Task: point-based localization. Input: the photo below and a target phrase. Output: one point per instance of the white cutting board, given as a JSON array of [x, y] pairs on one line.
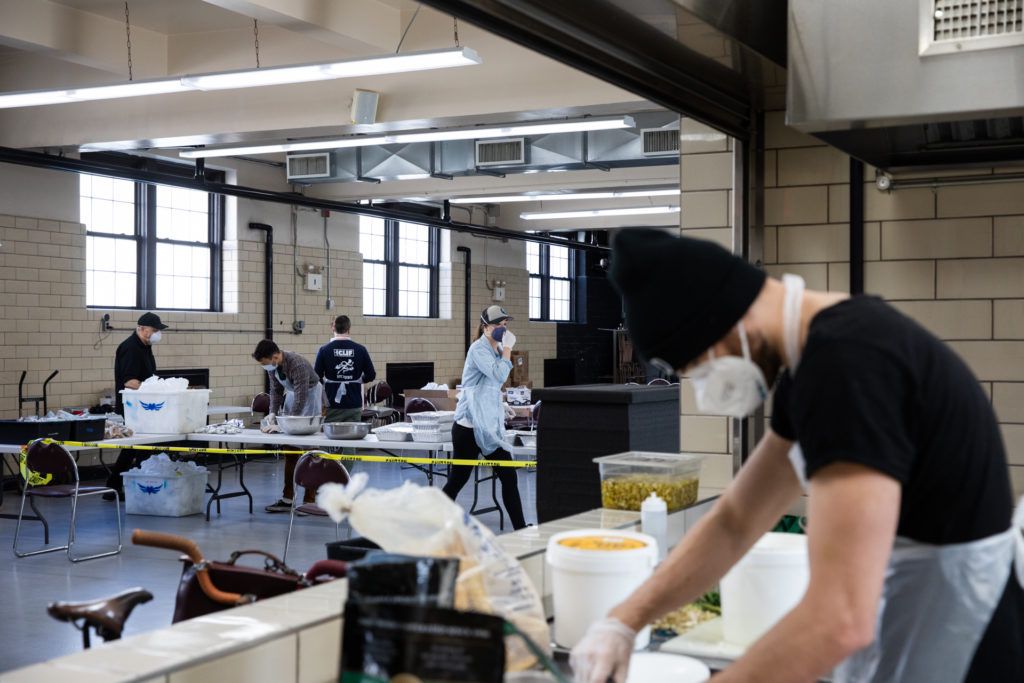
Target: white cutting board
[[704, 641]]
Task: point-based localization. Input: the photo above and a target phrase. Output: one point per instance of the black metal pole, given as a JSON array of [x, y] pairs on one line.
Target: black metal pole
[[56, 163], [856, 226], [467, 286], [268, 287]]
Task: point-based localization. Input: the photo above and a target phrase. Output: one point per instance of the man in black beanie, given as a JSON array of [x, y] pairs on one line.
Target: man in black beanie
[[915, 566]]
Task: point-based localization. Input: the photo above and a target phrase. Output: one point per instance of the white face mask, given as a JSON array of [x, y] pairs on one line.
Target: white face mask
[[155, 337], [270, 367], [728, 385], [736, 386]]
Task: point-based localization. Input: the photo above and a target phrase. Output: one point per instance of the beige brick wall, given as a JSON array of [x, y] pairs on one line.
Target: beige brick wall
[[949, 258], [47, 325]]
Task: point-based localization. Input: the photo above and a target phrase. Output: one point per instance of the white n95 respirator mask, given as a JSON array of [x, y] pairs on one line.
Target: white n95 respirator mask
[[728, 385]]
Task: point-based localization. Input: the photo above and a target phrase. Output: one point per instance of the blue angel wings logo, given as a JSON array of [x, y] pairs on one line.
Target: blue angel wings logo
[[152, 406], [151, 489]]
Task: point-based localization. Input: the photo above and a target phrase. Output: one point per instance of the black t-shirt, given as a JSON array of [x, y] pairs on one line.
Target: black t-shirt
[[344, 361], [875, 388], [133, 360]]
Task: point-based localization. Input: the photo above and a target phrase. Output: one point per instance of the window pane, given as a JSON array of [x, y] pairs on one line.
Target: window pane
[[414, 291], [535, 306], [107, 205], [559, 291], [413, 243], [559, 264], [533, 258], [182, 214], [374, 282], [182, 276], [371, 238], [110, 265]]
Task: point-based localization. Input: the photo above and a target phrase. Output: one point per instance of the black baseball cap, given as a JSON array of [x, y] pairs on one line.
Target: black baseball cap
[[151, 320]]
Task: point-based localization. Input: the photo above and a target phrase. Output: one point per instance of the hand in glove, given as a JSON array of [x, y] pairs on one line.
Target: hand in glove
[[510, 414], [603, 653], [509, 340], [268, 425]]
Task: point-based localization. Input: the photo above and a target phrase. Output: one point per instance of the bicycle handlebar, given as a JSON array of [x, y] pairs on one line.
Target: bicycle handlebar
[[187, 546]]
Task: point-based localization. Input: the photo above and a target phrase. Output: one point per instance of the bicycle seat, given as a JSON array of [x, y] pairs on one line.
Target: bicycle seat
[[106, 615]]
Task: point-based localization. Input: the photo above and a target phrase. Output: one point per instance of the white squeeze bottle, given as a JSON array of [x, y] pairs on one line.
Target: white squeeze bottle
[[654, 521]]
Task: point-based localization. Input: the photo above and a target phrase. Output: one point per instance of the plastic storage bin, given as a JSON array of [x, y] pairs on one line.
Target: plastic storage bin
[[628, 478], [165, 412], [88, 430], [164, 495]]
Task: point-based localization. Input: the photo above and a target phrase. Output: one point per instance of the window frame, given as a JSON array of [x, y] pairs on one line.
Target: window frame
[[393, 266], [545, 278], [145, 234]]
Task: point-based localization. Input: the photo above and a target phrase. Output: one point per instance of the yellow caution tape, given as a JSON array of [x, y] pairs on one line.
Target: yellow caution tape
[[408, 460], [31, 477]]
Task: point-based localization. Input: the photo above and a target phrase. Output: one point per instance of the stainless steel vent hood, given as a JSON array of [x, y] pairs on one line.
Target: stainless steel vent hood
[[901, 84]]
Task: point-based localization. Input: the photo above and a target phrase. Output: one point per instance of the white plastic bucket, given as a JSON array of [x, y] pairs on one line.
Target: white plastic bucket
[[592, 571], [764, 585], [160, 495], [165, 412]]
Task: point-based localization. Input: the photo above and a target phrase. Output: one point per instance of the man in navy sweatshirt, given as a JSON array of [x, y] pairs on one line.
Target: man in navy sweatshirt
[[344, 366]]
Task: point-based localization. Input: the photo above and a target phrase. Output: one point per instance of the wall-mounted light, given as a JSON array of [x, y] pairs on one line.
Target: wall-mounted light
[[464, 133], [249, 78], [597, 213]]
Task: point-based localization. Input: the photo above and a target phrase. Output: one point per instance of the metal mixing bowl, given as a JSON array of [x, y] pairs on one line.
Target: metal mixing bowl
[[297, 425], [346, 430]]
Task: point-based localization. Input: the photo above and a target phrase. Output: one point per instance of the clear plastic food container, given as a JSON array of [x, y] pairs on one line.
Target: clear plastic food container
[[628, 478]]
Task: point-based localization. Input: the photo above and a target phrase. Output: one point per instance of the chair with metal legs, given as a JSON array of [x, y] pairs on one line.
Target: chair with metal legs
[[313, 471], [51, 472]]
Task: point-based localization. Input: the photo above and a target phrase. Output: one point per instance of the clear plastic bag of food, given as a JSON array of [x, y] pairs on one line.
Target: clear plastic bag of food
[[417, 520]]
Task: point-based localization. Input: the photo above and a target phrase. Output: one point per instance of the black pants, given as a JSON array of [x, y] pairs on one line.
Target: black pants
[[466, 449], [126, 460]]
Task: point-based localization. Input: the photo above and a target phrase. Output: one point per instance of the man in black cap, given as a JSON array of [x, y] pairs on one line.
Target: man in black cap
[[133, 364], [916, 561]]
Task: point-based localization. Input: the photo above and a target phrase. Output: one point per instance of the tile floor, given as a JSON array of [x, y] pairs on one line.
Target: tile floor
[[29, 635]]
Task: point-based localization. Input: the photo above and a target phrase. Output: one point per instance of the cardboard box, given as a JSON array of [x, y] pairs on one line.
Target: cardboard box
[[520, 368], [442, 400]]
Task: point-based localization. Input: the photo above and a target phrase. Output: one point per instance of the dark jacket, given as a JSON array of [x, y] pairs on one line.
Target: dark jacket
[[133, 360]]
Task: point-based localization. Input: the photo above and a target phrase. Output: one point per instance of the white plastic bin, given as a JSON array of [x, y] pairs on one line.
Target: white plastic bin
[[593, 570], [175, 495], [764, 586], [165, 412]]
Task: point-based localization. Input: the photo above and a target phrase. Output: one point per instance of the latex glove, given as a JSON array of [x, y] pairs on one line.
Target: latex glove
[[509, 340], [268, 425], [603, 653], [509, 413]]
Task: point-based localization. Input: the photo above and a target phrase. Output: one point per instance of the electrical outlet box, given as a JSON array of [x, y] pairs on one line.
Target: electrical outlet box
[[499, 293], [314, 282]]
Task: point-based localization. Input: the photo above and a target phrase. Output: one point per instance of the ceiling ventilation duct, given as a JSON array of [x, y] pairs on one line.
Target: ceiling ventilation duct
[[308, 166], [906, 84], [501, 152]]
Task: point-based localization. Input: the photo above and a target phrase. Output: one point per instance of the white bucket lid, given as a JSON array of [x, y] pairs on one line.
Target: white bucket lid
[[778, 549], [602, 551]]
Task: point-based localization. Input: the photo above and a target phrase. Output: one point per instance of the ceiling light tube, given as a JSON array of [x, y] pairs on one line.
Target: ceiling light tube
[[597, 213], [561, 196], [470, 133], [247, 78]]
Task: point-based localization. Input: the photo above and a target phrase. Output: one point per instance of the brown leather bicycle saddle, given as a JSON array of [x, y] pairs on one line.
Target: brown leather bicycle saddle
[[106, 615]]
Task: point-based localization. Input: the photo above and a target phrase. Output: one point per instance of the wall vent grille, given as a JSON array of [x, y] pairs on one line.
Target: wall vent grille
[[660, 141], [303, 166], [501, 152], [949, 26]]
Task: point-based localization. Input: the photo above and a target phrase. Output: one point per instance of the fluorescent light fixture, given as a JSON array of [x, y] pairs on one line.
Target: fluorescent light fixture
[[248, 78], [561, 196], [466, 133], [597, 213]]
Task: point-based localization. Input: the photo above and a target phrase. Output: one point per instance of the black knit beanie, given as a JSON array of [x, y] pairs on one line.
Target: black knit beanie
[[681, 295]]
